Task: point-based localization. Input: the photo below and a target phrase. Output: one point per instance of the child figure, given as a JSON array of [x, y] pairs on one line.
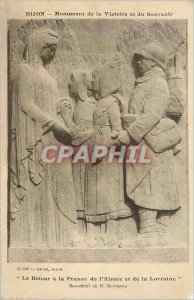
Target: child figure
[[104, 192], [80, 121]]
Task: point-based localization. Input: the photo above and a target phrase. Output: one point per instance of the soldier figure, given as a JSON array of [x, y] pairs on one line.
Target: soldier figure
[[153, 187]]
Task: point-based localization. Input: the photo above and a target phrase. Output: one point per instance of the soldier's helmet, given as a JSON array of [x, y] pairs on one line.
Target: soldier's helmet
[[154, 52]]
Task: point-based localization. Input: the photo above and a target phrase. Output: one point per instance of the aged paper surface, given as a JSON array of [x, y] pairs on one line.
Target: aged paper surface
[[97, 147]]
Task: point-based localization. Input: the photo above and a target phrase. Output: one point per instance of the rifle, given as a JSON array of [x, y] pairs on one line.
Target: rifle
[[176, 101], [171, 57]]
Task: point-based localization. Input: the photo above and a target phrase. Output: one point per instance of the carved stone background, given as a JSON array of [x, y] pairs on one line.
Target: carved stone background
[[83, 43]]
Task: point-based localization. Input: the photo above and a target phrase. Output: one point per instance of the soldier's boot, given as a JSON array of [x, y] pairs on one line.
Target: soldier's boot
[[153, 230], [147, 227], [149, 232], [163, 221]]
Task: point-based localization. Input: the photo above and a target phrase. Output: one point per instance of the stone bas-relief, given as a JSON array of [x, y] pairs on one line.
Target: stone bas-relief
[[131, 92]]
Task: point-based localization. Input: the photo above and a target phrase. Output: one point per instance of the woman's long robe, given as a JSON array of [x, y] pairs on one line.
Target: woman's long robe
[[41, 197]]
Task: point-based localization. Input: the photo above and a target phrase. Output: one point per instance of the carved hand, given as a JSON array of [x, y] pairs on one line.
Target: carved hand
[[63, 105], [115, 134], [122, 103], [82, 137], [60, 130], [123, 138], [64, 110]]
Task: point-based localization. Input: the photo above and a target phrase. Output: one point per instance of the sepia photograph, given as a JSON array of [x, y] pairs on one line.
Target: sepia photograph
[[97, 129], [96, 150]]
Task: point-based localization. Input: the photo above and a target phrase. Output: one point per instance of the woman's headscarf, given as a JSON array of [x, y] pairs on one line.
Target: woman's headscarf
[[36, 42]]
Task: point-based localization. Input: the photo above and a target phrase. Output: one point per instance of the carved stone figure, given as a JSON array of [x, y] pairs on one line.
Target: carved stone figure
[[79, 121], [151, 187], [42, 192], [82, 119], [104, 193]]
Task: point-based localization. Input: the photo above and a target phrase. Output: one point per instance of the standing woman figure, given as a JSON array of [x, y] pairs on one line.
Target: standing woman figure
[[38, 195]]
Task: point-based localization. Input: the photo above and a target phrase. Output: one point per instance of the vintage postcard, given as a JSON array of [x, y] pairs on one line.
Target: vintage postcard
[[97, 150]]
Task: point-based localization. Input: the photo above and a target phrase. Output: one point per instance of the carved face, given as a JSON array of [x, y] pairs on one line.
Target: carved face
[[106, 78], [141, 64], [80, 84], [48, 52], [41, 46]]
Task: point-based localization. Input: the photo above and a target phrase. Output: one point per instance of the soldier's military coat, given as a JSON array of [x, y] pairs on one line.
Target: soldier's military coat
[[153, 185]]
